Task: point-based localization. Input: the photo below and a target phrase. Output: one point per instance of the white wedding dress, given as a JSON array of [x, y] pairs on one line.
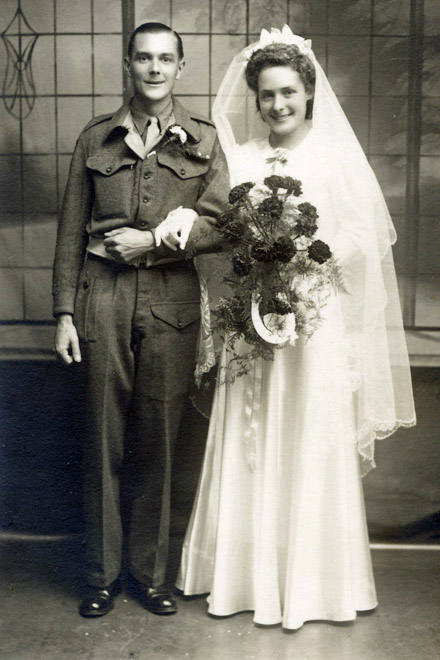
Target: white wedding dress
[[278, 526]]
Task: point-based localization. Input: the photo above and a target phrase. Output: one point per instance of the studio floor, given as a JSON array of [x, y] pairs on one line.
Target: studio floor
[[39, 617]]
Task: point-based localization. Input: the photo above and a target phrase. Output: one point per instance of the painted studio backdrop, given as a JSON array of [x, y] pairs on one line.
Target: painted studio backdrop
[[61, 64]]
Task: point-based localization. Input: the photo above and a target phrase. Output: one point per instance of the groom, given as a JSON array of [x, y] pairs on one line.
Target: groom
[[128, 310]]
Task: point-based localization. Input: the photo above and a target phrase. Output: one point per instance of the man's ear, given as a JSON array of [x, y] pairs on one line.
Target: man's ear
[[127, 63], [180, 68]]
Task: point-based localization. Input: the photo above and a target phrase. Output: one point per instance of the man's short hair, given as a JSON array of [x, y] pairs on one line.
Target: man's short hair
[[154, 28]]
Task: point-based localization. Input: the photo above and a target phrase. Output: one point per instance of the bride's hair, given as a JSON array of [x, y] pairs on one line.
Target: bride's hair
[[281, 55]]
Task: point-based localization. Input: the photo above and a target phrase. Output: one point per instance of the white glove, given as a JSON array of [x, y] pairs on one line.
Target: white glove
[[175, 229]]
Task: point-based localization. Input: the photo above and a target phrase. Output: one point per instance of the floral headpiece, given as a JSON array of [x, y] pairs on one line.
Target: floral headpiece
[[284, 36]]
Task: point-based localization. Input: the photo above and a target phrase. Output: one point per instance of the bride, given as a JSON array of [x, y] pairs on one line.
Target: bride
[[278, 526]]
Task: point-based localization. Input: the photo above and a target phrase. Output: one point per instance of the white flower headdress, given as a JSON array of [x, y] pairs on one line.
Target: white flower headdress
[[283, 36]]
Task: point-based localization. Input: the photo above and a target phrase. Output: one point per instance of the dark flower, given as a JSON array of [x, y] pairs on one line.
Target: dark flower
[[233, 231], [241, 263], [308, 210], [281, 307], [272, 207], [275, 306], [319, 251], [225, 218], [237, 193], [294, 187], [275, 182], [306, 226], [284, 249], [260, 252]]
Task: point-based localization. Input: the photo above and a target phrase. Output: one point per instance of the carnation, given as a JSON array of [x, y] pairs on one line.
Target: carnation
[[239, 192], [308, 210], [178, 130], [241, 264], [230, 215], [275, 182], [319, 251], [292, 186], [306, 226], [233, 231], [272, 207], [284, 249], [281, 306]]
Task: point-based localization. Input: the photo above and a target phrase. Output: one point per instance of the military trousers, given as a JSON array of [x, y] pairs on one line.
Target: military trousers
[[138, 331]]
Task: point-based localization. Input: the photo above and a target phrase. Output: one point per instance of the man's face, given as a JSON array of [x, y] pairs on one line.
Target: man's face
[[154, 66]]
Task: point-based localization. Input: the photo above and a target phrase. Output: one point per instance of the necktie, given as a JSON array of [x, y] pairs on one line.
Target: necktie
[[152, 135]]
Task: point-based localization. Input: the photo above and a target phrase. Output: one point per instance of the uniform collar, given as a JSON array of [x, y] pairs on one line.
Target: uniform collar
[[189, 122]]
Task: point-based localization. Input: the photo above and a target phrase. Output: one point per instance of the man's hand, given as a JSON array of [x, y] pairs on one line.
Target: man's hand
[[127, 243], [66, 340]]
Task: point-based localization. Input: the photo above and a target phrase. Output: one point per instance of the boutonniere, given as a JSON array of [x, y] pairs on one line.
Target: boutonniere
[[177, 140], [179, 132]]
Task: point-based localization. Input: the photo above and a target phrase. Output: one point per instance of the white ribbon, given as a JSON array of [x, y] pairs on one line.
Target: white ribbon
[[251, 409]]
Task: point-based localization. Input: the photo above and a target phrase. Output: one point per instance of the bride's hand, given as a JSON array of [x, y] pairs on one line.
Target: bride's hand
[[175, 229]]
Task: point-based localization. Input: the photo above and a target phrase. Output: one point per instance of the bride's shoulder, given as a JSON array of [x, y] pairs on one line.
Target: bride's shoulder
[[325, 148]]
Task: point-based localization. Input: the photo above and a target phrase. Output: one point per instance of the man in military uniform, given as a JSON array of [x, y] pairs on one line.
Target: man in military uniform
[[128, 309]]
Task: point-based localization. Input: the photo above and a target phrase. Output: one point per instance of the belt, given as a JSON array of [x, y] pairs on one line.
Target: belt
[[168, 264]]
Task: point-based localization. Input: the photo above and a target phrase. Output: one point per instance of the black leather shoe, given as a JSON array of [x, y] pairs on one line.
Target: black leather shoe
[[157, 600], [99, 601]]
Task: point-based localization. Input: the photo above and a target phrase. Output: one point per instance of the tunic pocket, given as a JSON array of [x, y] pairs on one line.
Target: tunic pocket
[[177, 314], [172, 352], [183, 167], [113, 182]]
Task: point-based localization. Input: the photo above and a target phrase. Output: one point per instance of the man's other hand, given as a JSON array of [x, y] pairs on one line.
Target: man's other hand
[[66, 340], [126, 244]]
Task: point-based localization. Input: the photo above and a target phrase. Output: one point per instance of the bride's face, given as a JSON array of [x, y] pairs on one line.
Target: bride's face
[[283, 100]]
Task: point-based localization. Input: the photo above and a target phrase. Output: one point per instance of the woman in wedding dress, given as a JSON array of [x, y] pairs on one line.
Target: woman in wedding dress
[[278, 526]]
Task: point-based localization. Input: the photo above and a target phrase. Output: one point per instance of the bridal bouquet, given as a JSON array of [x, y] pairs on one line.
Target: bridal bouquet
[[281, 276]]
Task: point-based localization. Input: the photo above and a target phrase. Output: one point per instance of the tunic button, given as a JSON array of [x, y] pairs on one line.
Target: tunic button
[[147, 175], [182, 171], [108, 169], [143, 223], [85, 285], [145, 200], [179, 324]]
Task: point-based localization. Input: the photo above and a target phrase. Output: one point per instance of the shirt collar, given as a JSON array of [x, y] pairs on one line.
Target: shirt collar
[[141, 118]]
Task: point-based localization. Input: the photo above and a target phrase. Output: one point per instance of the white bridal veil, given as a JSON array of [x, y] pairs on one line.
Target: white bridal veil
[[382, 390]]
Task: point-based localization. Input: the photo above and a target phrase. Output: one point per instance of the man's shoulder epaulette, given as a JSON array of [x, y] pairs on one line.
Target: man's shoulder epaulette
[[195, 116], [97, 120]]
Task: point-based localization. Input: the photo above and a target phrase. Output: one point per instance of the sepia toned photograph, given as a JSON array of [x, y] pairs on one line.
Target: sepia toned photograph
[[220, 329]]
